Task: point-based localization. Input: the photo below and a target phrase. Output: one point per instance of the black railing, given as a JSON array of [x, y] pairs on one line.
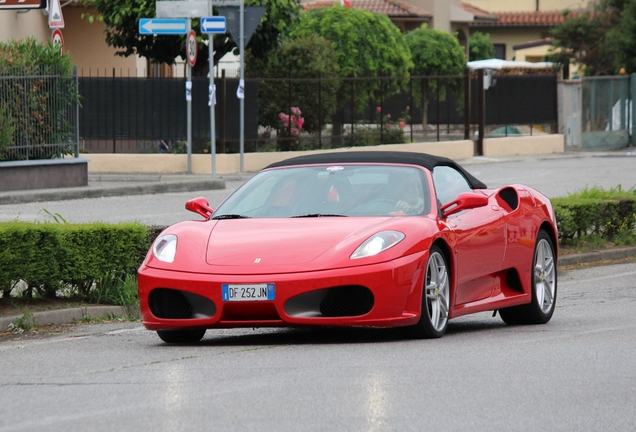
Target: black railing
[[132, 114]]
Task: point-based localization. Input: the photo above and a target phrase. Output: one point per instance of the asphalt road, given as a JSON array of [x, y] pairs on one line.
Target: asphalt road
[[554, 175], [577, 373]]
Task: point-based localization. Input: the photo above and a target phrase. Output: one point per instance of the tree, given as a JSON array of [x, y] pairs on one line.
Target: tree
[[122, 20], [302, 60], [621, 39], [366, 44], [601, 40], [435, 53], [480, 46]]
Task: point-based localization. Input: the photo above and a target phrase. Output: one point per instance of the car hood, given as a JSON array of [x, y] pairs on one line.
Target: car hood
[[275, 246], [263, 243]]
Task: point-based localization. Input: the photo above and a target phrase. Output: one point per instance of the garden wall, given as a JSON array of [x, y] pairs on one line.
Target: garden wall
[[43, 174], [230, 163]]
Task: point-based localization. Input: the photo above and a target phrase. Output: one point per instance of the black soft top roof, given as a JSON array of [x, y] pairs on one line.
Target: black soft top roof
[[422, 159]]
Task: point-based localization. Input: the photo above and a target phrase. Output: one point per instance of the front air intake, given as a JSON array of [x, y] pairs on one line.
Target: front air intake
[[169, 304], [175, 304], [352, 300]]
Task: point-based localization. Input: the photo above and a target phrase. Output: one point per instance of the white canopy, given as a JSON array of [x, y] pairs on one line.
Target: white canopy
[[506, 64]]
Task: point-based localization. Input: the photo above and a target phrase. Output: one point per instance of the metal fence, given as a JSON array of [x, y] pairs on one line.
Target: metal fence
[[129, 114], [39, 115], [606, 119]]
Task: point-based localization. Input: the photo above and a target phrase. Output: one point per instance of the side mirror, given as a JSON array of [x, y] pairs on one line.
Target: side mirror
[[200, 206], [465, 201]]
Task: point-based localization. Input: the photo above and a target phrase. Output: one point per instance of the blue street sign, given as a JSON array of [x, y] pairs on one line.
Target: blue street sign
[[162, 26], [214, 24]]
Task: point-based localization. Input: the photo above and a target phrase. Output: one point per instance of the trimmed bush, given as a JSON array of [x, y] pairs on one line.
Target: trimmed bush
[[48, 257], [610, 215]]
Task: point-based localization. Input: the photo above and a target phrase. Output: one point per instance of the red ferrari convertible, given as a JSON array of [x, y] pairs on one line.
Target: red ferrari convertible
[[376, 239]]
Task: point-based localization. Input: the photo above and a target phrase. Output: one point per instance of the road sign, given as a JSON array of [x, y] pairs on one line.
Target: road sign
[[56, 20], [57, 39], [253, 15], [162, 26], [189, 8], [22, 4], [192, 48], [214, 24]]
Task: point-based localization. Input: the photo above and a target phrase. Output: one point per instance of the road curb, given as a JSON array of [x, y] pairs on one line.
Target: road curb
[[597, 256], [156, 187], [65, 316]]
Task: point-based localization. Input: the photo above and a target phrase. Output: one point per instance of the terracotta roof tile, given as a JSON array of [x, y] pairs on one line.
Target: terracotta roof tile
[[524, 19], [479, 13], [391, 8]]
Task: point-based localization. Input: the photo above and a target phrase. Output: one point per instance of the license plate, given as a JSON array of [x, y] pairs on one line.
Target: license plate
[[248, 292]]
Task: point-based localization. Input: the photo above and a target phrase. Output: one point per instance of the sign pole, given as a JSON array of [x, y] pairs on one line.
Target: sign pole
[[212, 102], [189, 103], [242, 83]]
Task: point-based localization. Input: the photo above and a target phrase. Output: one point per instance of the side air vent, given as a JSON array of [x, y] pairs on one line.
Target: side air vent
[[508, 199], [174, 304]]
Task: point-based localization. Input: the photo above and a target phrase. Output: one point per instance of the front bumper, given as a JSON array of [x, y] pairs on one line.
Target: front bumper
[[393, 288]]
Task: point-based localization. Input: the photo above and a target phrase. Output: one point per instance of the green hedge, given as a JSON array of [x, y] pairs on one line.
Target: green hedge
[[49, 257], [610, 215]]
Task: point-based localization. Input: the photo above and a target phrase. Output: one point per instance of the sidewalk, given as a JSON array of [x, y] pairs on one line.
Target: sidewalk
[[106, 185]]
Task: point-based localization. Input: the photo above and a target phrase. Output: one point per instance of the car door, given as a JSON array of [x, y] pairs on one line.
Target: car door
[[480, 239]]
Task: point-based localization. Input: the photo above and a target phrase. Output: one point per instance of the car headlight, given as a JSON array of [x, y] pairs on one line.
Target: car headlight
[[377, 243], [165, 247]]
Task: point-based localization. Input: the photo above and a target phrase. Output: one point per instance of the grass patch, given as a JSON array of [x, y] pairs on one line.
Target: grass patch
[[22, 324]]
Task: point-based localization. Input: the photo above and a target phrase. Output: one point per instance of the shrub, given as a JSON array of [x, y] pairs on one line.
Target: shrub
[[49, 257], [610, 214], [38, 102], [6, 131]]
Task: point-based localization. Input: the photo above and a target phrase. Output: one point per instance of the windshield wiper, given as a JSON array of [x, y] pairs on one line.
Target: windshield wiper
[[231, 216], [319, 215]]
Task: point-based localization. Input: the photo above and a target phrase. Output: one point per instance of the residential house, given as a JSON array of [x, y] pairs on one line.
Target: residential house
[[521, 30], [83, 40]]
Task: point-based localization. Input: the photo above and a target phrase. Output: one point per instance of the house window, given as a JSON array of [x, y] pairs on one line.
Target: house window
[[500, 51]]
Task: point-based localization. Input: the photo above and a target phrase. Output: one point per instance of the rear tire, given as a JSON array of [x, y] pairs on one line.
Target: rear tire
[[181, 336], [544, 287], [435, 299]]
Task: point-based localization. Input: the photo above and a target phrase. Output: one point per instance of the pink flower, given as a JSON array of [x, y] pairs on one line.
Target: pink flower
[[378, 109], [295, 110], [402, 124], [388, 116]]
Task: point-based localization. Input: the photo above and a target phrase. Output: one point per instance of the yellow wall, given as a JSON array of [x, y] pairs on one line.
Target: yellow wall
[[513, 36], [230, 163], [15, 25], [86, 43]]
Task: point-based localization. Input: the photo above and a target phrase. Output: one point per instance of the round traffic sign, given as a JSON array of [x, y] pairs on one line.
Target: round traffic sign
[[192, 48], [57, 39]]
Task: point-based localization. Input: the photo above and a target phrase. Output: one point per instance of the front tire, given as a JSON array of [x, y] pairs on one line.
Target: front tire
[[435, 299], [544, 287], [181, 336]]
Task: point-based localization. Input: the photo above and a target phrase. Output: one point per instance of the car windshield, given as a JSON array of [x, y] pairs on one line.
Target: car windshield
[[330, 191]]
